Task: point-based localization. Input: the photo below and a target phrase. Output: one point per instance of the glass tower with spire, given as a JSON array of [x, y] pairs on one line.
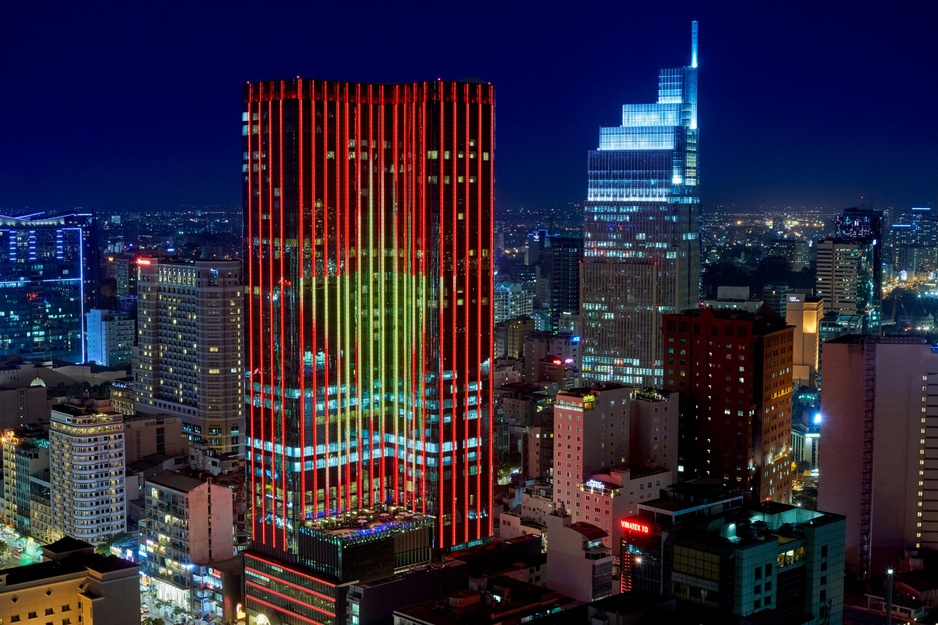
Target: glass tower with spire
[[641, 250]]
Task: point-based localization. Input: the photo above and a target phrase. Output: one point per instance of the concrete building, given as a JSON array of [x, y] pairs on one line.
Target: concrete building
[[605, 498], [804, 314], [110, 336], [733, 371], [579, 564], [512, 300], [121, 394], [734, 298], [74, 585], [608, 442], [23, 405], [879, 467], [187, 529], [87, 470], [190, 346], [846, 279], [763, 556], [539, 345], [25, 462], [515, 331], [147, 434]]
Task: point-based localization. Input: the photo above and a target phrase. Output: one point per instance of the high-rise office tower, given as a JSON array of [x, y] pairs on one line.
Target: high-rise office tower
[[641, 251], [914, 241], [850, 267], [47, 267], [368, 265], [190, 347], [562, 272], [733, 371]]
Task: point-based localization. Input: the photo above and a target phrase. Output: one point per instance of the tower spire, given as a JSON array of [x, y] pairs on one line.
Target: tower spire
[[693, 44]]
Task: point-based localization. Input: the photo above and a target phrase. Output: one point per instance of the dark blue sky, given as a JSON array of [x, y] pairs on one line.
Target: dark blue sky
[[136, 105]]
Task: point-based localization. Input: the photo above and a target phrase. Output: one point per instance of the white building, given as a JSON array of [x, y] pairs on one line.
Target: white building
[[511, 300], [190, 346], [110, 337], [87, 471], [579, 565]]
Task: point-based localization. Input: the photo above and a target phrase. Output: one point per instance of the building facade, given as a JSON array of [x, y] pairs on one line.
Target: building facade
[[72, 585], [611, 451], [110, 337], [562, 273], [641, 249], [187, 528], [700, 546], [804, 313], [733, 372], [190, 347], [368, 269], [87, 471], [47, 267], [878, 466]]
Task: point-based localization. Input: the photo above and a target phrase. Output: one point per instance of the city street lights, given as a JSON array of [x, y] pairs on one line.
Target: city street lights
[[889, 596]]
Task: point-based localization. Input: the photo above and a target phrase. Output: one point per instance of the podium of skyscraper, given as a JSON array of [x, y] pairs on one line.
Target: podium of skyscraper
[[368, 265], [641, 252]]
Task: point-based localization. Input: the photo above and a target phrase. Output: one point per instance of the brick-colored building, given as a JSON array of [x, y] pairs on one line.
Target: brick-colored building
[[733, 371]]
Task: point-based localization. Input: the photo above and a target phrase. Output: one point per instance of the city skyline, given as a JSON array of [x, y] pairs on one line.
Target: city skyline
[[797, 108]]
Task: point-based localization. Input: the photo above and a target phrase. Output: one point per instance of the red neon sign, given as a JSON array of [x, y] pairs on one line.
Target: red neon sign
[[635, 527]]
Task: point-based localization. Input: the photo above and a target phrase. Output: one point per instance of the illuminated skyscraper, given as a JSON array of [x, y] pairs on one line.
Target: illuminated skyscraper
[[368, 233], [47, 266], [190, 347], [641, 252]]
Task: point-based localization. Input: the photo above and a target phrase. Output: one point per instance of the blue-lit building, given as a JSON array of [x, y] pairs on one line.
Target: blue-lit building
[[641, 251], [47, 269]]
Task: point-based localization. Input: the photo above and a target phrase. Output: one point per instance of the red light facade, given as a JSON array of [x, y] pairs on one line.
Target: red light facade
[[368, 262]]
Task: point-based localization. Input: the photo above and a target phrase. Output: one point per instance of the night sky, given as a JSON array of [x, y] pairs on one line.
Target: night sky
[[136, 105]]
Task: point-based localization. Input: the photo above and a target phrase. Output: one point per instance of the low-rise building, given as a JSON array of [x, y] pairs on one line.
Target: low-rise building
[[73, 586], [699, 544], [579, 565], [186, 530]]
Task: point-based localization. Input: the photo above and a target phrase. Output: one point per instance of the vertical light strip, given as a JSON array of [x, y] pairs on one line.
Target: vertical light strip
[[489, 204], [452, 274], [250, 253], [326, 278], [316, 105], [347, 352], [299, 350], [425, 322], [284, 464], [443, 288]]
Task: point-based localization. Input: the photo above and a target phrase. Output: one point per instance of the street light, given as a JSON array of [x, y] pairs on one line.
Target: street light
[[889, 596]]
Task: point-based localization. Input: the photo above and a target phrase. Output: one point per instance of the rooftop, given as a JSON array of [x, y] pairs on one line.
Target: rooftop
[[176, 481]]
